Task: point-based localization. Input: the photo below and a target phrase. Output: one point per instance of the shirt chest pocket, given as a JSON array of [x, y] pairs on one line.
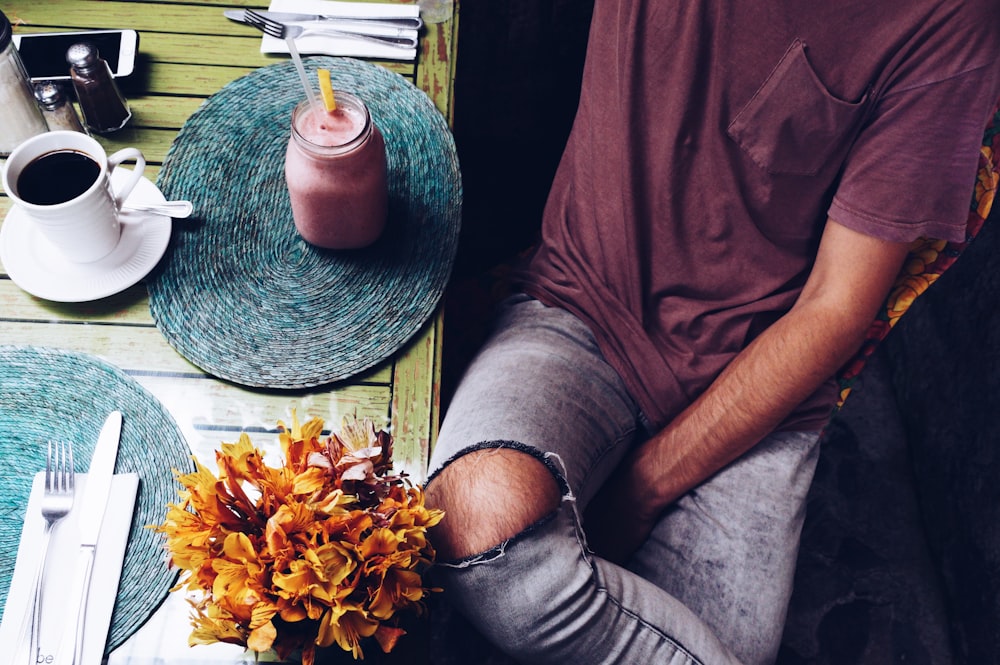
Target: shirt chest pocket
[[793, 125]]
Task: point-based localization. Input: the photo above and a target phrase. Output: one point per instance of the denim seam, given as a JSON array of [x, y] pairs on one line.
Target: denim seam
[[663, 636], [587, 555]]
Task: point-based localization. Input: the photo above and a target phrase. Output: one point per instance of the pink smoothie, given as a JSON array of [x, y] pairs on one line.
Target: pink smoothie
[[335, 168], [331, 128]]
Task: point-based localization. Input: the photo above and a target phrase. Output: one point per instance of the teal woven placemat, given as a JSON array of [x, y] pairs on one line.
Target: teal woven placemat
[[241, 295], [50, 394]]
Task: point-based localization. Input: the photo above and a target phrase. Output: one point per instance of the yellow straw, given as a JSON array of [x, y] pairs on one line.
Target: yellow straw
[[326, 90]]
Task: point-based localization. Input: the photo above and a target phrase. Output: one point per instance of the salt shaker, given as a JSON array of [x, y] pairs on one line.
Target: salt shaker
[[58, 111], [103, 106], [20, 117]]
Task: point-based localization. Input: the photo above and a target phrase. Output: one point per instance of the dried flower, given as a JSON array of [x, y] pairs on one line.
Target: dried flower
[[324, 549]]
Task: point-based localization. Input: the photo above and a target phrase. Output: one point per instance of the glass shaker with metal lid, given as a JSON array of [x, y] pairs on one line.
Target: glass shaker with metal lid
[[57, 109], [102, 104], [20, 117]]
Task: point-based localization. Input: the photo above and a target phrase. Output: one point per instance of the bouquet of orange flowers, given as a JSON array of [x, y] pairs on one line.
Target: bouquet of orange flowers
[[324, 549]]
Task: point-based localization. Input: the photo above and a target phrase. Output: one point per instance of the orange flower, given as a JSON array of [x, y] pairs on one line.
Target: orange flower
[[905, 292], [986, 182], [324, 549], [346, 625]]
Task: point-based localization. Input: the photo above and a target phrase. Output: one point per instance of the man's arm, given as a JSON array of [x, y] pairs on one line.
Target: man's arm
[[849, 282]]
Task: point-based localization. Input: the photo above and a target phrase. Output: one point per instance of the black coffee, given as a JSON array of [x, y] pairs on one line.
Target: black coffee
[[57, 177]]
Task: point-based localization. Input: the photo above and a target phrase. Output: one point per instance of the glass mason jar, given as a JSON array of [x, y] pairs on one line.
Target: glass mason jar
[[20, 117], [335, 168]]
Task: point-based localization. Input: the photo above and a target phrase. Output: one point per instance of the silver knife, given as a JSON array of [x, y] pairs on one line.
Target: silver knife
[[92, 508], [358, 23], [406, 22]]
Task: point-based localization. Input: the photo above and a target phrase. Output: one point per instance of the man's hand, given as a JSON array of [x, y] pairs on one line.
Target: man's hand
[[622, 515]]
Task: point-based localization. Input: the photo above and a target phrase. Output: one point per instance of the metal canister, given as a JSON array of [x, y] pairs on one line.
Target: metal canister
[[20, 117]]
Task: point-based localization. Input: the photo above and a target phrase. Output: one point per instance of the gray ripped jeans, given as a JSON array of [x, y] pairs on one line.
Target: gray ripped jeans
[[712, 583]]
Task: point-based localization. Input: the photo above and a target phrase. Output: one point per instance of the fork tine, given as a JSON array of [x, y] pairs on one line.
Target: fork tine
[[59, 476], [66, 470], [271, 27], [268, 30], [51, 467], [265, 20]]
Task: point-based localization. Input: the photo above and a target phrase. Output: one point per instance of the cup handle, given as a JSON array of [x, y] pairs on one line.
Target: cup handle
[[123, 155]]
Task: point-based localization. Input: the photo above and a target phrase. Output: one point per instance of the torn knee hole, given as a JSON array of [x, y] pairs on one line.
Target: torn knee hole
[[490, 494]]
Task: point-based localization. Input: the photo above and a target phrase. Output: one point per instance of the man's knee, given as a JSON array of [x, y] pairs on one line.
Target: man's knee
[[489, 495]]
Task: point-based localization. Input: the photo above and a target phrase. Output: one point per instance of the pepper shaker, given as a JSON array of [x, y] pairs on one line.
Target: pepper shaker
[[20, 117], [58, 111], [103, 106]]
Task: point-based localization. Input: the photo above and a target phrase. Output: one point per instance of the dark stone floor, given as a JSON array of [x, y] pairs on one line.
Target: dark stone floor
[[866, 588]]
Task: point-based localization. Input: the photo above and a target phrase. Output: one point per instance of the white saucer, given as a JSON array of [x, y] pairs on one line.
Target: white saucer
[[36, 266]]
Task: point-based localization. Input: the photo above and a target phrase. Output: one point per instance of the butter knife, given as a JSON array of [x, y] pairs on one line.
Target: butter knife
[[92, 508], [405, 22]]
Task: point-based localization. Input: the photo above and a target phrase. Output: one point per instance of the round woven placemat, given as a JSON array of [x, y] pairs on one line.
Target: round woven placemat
[[47, 394], [241, 295]]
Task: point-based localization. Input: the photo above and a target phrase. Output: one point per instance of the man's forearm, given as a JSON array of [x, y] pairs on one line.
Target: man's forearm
[[780, 369], [755, 393], [758, 390]]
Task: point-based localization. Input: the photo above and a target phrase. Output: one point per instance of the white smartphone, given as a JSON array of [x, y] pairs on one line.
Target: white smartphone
[[44, 53]]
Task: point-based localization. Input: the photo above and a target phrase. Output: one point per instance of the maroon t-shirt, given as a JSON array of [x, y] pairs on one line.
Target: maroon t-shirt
[[713, 140]]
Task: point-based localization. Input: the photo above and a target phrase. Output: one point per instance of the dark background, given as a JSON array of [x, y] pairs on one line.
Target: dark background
[[900, 559]]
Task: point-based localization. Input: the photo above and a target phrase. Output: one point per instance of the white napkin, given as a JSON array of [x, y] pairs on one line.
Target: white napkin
[[58, 617], [313, 43]]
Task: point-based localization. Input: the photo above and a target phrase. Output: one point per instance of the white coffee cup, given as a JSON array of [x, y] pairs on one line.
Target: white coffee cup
[[84, 226]]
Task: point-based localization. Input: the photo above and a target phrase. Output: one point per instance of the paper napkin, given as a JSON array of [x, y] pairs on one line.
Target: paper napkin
[[58, 616], [313, 44]]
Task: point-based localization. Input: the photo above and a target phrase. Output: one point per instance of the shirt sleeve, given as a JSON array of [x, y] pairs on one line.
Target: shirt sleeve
[[913, 166]]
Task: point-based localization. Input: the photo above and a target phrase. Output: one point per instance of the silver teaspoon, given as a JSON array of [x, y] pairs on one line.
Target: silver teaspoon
[[175, 209]]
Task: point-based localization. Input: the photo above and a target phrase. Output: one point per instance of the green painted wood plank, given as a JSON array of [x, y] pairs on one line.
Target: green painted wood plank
[[192, 80], [130, 307], [415, 397], [436, 70], [162, 112], [153, 142], [165, 17]]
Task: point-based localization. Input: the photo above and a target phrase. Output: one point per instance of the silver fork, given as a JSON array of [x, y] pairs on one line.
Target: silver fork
[[290, 32], [57, 501]]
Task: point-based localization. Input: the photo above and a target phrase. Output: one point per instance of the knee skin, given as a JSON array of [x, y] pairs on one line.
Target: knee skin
[[489, 495]]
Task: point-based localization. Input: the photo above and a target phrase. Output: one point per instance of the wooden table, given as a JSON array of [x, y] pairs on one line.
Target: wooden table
[[188, 52]]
